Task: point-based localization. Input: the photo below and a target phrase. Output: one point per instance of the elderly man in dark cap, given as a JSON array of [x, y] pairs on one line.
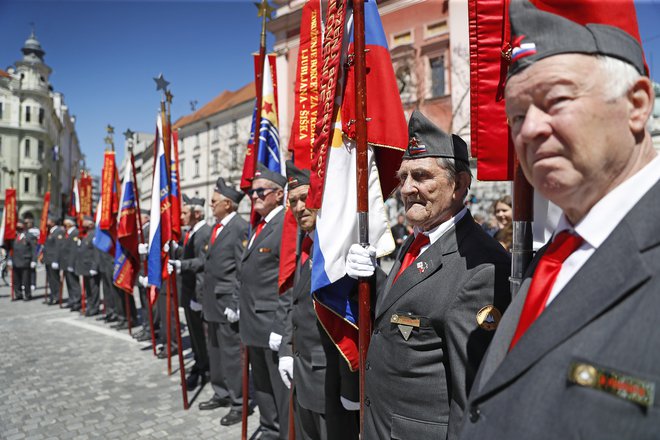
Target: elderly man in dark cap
[[309, 361], [51, 256], [88, 268], [191, 267], [442, 301], [68, 261], [23, 260], [220, 301], [261, 330], [576, 356]]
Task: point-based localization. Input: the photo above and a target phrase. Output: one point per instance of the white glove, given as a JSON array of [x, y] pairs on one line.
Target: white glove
[[360, 262], [54, 265], [33, 264], [93, 273], [285, 367], [232, 316], [195, 306], [274, 341], [143, 248], [174, 264], [69, 269], [9, 263], [166, 248], [349, 405], [143, 281]]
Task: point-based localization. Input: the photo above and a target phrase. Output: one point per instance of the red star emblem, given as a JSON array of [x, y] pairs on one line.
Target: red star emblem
[[268, 107]]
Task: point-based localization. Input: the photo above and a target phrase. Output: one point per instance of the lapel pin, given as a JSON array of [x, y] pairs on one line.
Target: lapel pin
[[422, 266]]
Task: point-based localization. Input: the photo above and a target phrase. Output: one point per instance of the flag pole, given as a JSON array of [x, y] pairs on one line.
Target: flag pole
[[42, 249], [523, 214], [175, 293], [364, 284]]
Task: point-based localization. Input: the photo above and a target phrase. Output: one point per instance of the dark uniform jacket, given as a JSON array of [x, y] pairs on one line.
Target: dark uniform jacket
[[417, 382], [302, 341], [69, 253], [192, 264], [605, 320], [23, 250], [259, 297], [88, 256], [53, 246], [222, 269]]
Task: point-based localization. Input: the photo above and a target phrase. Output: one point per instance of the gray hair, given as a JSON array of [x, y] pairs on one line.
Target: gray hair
[[620, 76], [452, 167], [199, 209]]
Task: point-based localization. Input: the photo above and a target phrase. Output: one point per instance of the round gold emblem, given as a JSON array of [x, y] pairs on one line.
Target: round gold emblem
[[488, 317], [584, 375]]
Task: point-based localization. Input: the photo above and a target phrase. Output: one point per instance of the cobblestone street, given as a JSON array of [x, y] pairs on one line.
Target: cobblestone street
[[64, 376]]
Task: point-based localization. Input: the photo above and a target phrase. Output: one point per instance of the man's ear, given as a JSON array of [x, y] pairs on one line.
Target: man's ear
[[462, 184], [641, 97]]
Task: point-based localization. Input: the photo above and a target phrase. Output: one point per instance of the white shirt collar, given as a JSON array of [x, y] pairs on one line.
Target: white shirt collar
[[226, 219], [195, 228], [440, 230], [70, 230], [605, 215], [53, 229], [273, 213]]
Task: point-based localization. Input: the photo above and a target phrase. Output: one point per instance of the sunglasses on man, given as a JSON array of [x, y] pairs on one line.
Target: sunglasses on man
[[260, 192]]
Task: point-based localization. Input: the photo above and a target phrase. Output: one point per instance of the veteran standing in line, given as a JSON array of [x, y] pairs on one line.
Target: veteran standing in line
[[260, 329], [576, 354], [191, 267], [88, 268], [220, 302], [51, 256], [68, 258], [442, 301], [23, 260], [309, 361]]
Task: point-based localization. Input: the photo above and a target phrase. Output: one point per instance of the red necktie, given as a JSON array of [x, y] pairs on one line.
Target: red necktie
[[185, 239], [545, 275], [304, 250], [215, 232], [257, 231], [418, 243]]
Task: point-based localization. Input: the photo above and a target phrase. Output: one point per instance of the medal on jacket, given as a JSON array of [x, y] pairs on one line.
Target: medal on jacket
[[405, 324]]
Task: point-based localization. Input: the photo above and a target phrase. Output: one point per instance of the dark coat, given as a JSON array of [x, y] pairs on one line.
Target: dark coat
[[88, 256], [69, 252], [259, 297], [222, 270], [23, 250], [606, 318], [192, 264], [53, 246], [416, 387]]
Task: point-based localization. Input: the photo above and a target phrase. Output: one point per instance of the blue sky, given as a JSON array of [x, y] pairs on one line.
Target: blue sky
[[105, 53]]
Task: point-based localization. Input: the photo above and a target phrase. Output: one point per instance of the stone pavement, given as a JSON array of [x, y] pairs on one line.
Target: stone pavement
[[64, 376]]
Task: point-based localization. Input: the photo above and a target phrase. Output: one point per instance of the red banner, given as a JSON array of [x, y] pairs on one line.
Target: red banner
[[175, 189], [43, 227], [301, 141], [85, 188], [10, 214], [109, 199], [332, 48]]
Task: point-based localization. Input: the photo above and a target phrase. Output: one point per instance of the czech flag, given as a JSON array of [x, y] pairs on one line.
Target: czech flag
[[127, 260]]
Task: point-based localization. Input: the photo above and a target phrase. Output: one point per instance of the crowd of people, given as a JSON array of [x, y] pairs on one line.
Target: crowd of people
[[453, 354]]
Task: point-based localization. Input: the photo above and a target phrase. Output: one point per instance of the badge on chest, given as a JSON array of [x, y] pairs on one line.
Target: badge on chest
[[405, 323]]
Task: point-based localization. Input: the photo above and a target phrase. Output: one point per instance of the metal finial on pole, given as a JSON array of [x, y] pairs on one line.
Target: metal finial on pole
[[109, 139], [265, 11]]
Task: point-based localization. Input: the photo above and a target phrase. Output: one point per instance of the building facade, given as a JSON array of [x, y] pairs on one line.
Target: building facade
[[38, 140]]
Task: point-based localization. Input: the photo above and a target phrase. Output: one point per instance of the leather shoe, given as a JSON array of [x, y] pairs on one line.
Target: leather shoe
[[111, 318], [121, 325], [89, 314], [66, 306], [233, 417], [144, 337], [214, 403]]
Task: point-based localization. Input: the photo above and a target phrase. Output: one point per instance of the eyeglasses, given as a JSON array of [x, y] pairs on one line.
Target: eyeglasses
[[260, 192]]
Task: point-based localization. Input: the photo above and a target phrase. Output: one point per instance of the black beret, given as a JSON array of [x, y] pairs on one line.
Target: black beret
[[295, 176], [197, 201], [538, 34], [264, 173], [185, 199], [145, 212], [232, 194], [89, 218], [70, 218], [425, 139]]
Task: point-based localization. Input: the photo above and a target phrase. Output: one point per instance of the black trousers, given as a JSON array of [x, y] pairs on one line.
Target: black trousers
[[224, 348], [197, 339], [54, 283], [93, 293], [271, 394], [21, 282], [72, 288]]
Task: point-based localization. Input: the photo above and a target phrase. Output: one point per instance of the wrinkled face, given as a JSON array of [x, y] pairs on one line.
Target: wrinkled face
[[144, 218], [266, 196], [88, 225], [220, 205], [503, 214], [20, 226], [572, 139], [306, 218], [429, 197], [186, 215]]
